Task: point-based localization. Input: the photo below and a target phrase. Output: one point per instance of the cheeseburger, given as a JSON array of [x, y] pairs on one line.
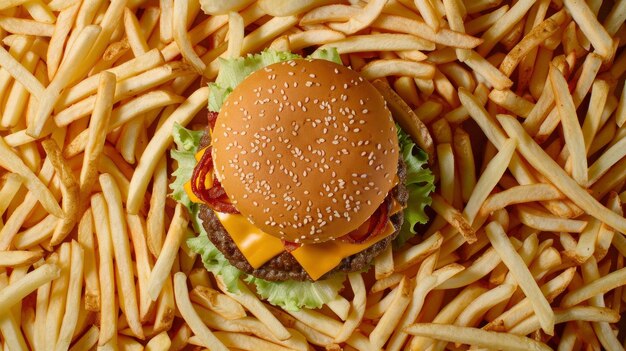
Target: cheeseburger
[[299, 177]]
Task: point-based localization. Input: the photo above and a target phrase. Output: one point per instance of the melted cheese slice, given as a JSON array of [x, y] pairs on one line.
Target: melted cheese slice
[[318, 259], [258, 246]]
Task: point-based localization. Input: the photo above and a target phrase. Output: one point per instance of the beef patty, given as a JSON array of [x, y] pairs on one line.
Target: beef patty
[[284, 266]]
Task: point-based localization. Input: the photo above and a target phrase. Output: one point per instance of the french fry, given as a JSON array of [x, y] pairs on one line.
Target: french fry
[[236, 28], [620, 114], [164, 315], [382, 68], [97, 133], [36, 234], [521, 194], [455, 11], [599, 286], [357, 308], [429, 110], [124, 89], [531, 40], [494, 171], [236, 340], [501, 27], [454, 217], [607, 160], [512, 102], [540, 220], [87, 341], [523, 309], [589, 25], [86, 241], [108, 307], [383, 264], [280, 8], [134, 34], [131, 68], [407, 119], [363, 18], [513, 261], [11, 186], [449, 313], [475, 310], [429, 14], [580, 313], [163, 265], [426, 281], [155, 223], [19, 215], [420, 29], [156, 147], [247, 299], [9, 326], [73, 298], [445, 159], [18, 95], [473, 336], [491, 74], [591, 125], [65, 20], [15, 292], [64, 76], [26, 26], [379, 42], [69, 189], [392, 316], [215, 301], [19, 258], [121, 249], [414, 254], [185, 307], [143, 262], [571, 128], [460, 76], [179, 29], [160, 342], [11, 162], [546, 166], [304, 39], [484, 22]]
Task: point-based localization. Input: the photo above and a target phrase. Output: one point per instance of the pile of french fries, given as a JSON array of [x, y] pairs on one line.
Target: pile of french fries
[[526, 105]]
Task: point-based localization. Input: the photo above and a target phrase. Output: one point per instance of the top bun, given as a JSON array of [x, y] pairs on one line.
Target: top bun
[[306, 150]]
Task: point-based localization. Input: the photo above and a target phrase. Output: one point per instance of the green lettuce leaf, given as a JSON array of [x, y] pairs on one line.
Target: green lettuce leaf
[[293, 295], [214, 261], [419, 183], [328, 55], [234, 71], [187, 142]]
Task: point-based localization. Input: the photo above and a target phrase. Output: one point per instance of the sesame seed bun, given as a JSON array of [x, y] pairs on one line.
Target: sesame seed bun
[[306, 149]]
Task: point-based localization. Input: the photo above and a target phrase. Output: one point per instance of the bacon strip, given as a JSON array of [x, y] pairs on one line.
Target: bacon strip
[[215, 197]]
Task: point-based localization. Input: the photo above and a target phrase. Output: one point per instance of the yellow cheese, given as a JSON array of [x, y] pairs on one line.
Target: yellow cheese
[[199, 154], [257, 246], [318, 259], [190, 194], [395, 207]]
